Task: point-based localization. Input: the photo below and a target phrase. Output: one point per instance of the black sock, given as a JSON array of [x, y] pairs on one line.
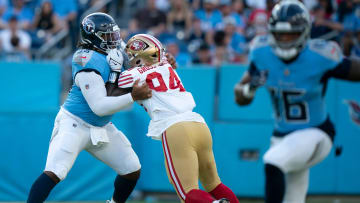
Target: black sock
[[274, 185], [123, 188], [41, 189]]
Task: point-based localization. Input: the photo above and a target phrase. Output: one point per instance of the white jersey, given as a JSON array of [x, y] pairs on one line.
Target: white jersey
[[170, 102]]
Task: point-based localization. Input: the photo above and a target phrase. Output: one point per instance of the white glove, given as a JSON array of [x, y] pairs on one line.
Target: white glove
[[115, 60]]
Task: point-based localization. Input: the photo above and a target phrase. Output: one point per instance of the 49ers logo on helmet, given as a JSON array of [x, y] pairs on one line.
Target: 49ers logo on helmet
[[137, 45]]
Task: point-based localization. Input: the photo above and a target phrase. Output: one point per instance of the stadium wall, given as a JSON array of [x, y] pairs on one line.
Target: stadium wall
[[30, 100]]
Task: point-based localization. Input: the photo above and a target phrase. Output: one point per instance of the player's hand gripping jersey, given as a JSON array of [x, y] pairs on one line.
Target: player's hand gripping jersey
[[297, 88], [170, 102]]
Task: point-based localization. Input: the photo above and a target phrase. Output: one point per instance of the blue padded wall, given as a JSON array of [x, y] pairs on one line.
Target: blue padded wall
[[26, 121], [30, 87], [259, 109]]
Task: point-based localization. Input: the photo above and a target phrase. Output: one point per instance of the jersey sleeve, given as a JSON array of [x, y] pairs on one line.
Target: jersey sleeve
[[256, 46], [88, 60], [330, 51], [337, 66], [127, 78]]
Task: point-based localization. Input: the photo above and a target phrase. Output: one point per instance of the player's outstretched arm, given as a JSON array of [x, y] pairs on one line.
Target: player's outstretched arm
[[93, 89], [347, 69], [243, 95]]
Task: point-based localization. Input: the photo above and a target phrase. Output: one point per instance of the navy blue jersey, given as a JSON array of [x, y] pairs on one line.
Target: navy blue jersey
[[87, 60], [297, 88]]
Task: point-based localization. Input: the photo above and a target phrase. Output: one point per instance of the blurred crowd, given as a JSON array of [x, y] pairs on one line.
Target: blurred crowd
[[210, 32]]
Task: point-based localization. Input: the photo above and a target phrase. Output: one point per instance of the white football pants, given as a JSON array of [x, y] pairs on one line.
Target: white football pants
[[294, 154], [71, 135]]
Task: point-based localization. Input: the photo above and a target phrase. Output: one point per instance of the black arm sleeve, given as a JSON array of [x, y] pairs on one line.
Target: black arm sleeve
[[341, 71]]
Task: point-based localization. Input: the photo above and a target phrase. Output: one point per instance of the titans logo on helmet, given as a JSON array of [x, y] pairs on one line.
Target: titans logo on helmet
[[88, 25], [354, 110]]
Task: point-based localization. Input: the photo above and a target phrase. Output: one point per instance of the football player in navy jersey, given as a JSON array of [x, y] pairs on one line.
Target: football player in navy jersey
[[83, 122], [295, 71]]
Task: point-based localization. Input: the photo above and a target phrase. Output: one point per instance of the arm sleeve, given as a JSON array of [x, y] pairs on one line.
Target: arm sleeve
[[127, 79], [341, 71], [93, 89]]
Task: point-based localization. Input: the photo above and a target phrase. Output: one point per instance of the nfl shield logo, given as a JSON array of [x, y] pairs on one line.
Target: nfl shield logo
[[87, 86]]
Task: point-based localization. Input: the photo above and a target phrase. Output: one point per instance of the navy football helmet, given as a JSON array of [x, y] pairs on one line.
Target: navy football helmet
[[289, 26], [100, 31]]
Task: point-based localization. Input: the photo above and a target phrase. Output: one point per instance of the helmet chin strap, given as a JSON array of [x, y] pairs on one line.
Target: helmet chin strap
[[286, 54]]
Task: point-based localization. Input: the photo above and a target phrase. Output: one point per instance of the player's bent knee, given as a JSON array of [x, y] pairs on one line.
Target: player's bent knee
[[57, 170], [132, 176], [273, 160], [53, 176]]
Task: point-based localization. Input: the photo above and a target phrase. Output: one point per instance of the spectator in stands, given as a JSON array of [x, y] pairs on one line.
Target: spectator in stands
[[222, 53], [328, 7], [67, 10], [182, 58], [195, 4], [322, 27], [208, 15], [23, 14], [227, 11], [310, 3], [163, 5], [203, 55], [179, 18], [46, 23], [149, 19], [256, 4], [347, 15], [3, 7], [15, 43], [258, 20], [235, 41], [196, 36]]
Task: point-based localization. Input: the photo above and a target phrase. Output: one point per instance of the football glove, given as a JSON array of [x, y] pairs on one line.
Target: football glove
[[115, 60]]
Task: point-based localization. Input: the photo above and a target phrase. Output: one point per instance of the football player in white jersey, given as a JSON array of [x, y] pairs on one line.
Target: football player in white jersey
[[83, 122], [186, 139], [295, 71]]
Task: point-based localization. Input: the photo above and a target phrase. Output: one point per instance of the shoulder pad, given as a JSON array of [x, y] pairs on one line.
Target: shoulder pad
[[328, 49], [82, 56], [259, 41]]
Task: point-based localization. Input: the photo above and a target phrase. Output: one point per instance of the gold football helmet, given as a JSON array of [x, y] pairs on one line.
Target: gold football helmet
[[144, 50]]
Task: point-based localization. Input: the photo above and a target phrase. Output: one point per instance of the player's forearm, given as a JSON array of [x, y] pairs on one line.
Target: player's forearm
[[110, 105], [93, 89]]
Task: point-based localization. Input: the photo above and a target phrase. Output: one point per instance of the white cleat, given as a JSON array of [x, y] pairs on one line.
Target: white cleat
[[110, 201]]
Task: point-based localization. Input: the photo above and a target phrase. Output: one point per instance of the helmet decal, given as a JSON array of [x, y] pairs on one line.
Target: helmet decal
[[88, 25], [137, 45], [101, 31]]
